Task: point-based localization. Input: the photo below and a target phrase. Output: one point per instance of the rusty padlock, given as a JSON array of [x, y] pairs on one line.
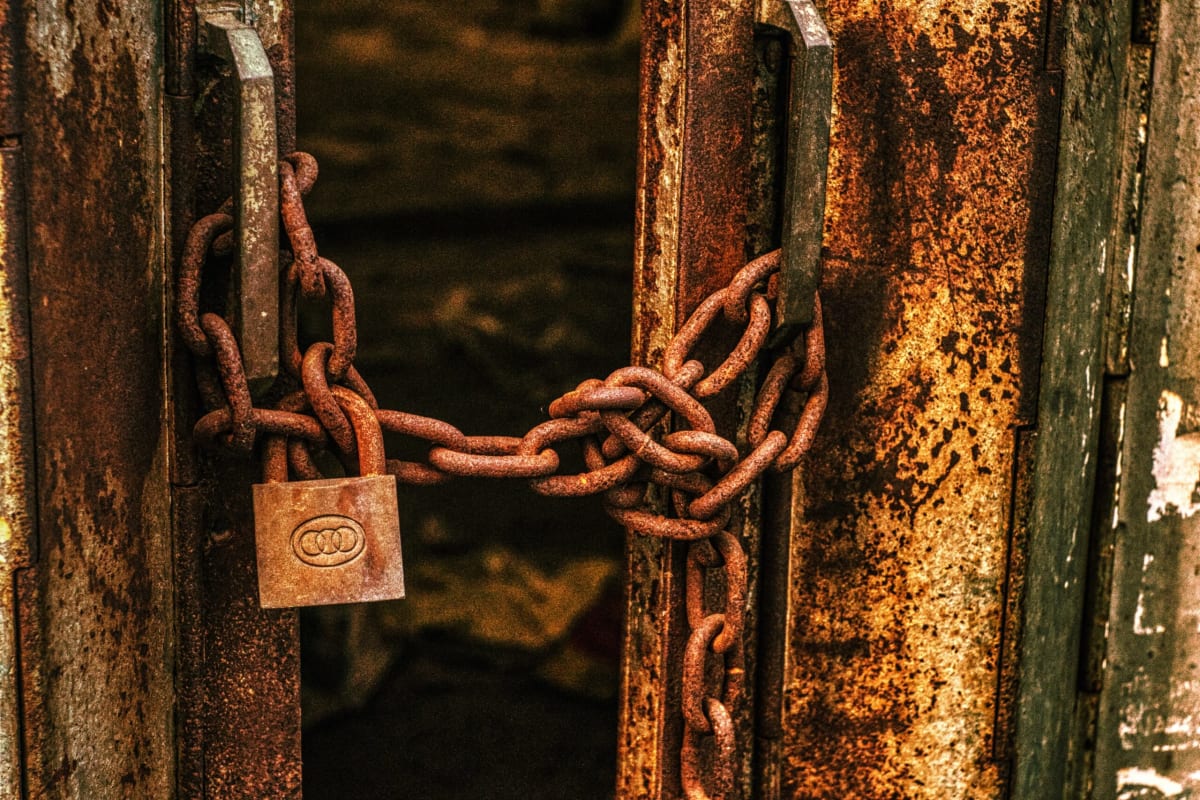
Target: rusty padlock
[[333, 540]]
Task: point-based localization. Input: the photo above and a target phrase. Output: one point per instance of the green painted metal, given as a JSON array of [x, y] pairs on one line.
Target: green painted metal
[[1148, 718], [1092, 59]]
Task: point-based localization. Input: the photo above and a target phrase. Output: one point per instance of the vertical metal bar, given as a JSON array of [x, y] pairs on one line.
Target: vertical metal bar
[[17, 511], [96, 604], [179, 47], [255, 196], [718, 82], [697, 78], [238, 674], [809, 109], [646, 744]]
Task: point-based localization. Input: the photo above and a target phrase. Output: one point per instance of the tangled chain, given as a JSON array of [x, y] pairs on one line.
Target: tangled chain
[[616, 421]]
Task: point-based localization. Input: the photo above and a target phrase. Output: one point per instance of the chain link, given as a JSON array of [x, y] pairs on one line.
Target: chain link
[[618, 423]]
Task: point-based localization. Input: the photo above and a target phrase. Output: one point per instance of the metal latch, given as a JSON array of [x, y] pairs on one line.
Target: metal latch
[[810, 104], [255, 285]]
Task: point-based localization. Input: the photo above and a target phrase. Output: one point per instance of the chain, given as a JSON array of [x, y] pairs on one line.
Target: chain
[[618, 423]]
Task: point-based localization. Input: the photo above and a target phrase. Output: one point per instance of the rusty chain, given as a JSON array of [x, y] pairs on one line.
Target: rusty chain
[[619, 423]]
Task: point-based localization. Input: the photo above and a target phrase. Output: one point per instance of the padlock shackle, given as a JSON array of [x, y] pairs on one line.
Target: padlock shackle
[[274, 457], [275, 448], [368, 437], [368, 434]]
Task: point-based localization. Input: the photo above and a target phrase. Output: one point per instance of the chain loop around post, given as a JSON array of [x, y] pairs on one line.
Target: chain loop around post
[[619, 423]]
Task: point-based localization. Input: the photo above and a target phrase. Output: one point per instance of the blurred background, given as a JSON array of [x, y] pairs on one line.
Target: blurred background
[[477, 185]]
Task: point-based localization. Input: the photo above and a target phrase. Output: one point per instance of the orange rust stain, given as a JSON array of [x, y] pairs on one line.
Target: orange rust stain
[[931, 283]]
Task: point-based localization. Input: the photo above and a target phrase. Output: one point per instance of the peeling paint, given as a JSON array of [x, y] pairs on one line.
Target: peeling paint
[[1176, 468], [1150, 779], [1147, 727], [1139, 614]]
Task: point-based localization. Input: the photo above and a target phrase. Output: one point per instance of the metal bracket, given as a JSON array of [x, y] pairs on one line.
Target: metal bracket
[[810, 106], [256, 194]]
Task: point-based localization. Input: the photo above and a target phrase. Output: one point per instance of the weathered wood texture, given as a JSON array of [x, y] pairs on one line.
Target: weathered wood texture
[[941, 179], [1147, 732], [1072, 371], [96, 605]]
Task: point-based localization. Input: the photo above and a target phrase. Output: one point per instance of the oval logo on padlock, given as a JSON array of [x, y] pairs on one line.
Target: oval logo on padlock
[[328, 541]]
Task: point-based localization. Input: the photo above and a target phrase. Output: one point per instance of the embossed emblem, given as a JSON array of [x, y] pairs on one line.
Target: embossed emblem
[[328, 541]]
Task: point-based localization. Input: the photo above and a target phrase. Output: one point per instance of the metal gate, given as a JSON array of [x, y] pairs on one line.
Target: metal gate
[[980, 581]]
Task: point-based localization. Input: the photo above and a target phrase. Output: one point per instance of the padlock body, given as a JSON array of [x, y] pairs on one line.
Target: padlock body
[[328, 541]]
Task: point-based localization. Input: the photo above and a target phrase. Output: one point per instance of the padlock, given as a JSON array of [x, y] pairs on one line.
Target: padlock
[[336, 540]]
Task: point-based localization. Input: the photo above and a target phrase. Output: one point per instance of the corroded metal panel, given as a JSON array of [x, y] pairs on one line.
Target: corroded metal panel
[[96, 605], [941, 176], [17, 476], [1148, 734]]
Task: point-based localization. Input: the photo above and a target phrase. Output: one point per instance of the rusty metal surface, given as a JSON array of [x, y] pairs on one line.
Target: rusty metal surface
[[697, 65], [810, 105], [940, 172], [17, 479], [238, 667], [280, 33], [1016, 576], [249, 677], [11, 36], [255, 195], [1147, 734], [238, 681], [96, 606]]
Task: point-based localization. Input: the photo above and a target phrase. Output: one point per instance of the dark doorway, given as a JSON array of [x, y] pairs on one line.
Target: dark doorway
[[477, 186]]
